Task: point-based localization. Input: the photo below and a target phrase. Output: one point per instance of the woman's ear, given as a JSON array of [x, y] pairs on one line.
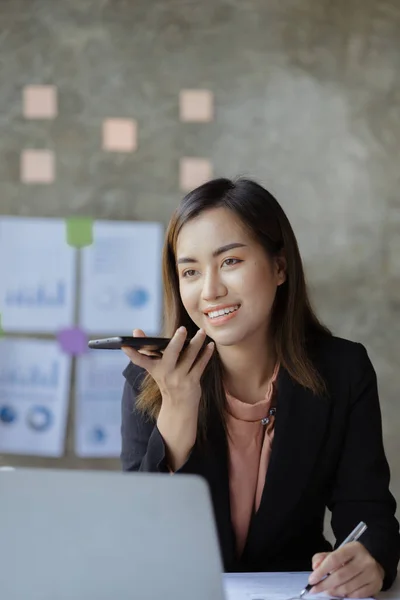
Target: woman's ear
[[280, 268]]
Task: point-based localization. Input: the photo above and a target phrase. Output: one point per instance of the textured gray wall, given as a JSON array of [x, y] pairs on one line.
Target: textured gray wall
[[307, 100]]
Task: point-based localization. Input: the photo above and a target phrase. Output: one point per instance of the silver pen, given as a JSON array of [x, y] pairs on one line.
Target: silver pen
[[352, 537]]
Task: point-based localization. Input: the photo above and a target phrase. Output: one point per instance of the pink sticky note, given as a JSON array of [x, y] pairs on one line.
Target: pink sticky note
[[73, 341], [194, 172], [37, 166], [40, 102], [119, 135], [196, 106]]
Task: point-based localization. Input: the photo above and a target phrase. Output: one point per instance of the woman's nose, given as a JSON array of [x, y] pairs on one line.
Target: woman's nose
[[213, 287]]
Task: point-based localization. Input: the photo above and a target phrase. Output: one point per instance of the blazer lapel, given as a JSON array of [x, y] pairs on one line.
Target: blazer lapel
[[300, 425]]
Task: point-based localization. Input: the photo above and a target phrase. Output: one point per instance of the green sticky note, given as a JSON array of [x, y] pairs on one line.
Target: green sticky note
[[79, 231]]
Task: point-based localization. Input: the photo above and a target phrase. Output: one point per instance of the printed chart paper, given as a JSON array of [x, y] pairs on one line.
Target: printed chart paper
[[34, 391], [37, 275], [99, 386], [120, 279]]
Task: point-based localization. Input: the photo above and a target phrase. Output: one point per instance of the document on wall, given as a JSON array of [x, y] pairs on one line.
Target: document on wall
[[37, 275], [98, 389], [267, 586], [34, 391], [120, 279]]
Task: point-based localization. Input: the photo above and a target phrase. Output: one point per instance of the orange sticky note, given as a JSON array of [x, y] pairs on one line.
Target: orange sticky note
[[194, 172], [37, 166], [196, 106], [40, 102], [120, 135]]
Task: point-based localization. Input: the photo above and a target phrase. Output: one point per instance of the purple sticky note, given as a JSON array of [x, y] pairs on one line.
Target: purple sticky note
[[73, 341]]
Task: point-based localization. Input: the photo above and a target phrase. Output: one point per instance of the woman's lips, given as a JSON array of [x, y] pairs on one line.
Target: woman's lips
[[223, 318]]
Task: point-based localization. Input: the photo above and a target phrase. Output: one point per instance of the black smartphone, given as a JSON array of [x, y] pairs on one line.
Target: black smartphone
[[115, 343]]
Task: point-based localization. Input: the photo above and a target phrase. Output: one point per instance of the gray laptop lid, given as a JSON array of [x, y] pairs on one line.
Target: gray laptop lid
[[81, 535]]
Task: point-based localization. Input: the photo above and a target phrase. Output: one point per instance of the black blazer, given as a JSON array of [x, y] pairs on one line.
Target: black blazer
[[327, 452]]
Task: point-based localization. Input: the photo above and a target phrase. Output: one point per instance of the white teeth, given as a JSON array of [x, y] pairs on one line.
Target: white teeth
[[224, 311]]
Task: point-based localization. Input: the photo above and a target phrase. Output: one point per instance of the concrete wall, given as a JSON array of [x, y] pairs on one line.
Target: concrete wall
[[307, 100]]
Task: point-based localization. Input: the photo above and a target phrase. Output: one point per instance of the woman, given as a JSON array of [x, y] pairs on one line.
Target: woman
[[279, 416]]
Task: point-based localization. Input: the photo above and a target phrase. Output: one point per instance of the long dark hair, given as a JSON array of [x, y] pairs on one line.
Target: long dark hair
[[292, 320]]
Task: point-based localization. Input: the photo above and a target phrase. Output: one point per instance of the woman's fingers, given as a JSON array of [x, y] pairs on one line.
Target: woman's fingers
[[365, 591], [174, 348], [146, 350], [349, 585], [338, 578], [202, 362], [318, 558], [144, 357], [173, 353], [191, 352], [333, 562], [138, 358], [138, 333]]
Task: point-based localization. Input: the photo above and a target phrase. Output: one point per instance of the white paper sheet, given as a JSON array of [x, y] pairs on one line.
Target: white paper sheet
[[266, 586], [37, 275], [121, 278], [34, 390], [99, 386]]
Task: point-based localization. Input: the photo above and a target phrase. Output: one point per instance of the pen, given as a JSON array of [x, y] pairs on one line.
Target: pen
[[352, 537]]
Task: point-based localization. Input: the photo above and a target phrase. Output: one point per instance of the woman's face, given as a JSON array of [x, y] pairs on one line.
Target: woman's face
[[227, 281]]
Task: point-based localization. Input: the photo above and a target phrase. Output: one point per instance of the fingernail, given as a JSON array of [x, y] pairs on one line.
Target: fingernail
[[182, 329], [312, 579], [200, 330], [211, 345]]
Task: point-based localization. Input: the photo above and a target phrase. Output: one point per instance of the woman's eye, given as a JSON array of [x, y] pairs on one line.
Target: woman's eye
[[231, 261], [189, 273]]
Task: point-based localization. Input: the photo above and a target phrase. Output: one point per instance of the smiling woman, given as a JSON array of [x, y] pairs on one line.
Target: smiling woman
[[278, 415]]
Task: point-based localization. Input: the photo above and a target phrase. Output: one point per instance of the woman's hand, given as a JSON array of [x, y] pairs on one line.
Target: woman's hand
[[177, 375], [351, 570], [178, 378]]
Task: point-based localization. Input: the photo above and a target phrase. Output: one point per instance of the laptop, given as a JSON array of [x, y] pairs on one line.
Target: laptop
[[91, 535]]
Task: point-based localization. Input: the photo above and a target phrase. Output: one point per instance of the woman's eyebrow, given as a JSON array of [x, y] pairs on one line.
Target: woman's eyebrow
[[217, 252]]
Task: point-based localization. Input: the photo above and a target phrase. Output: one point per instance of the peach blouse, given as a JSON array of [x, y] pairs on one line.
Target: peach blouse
[[250, 434]]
